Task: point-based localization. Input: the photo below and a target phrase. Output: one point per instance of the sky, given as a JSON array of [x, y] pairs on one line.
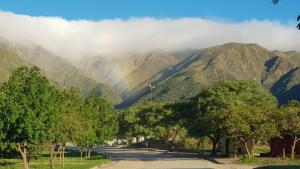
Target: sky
[[75, 29], [235, 10]]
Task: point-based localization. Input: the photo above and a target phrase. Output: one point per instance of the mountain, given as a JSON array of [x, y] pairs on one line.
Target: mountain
[[109, 70], [231, 61], [152, 64], [129, 73], [9, 61], [288, 86], [177, 75], [57, 70]]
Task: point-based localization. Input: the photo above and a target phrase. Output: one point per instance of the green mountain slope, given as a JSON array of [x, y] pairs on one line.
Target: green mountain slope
[[9, 61], [56, 69], [231, 61], [65, 74], [109, 70], [288, 86], [152, 64], [176, 76]]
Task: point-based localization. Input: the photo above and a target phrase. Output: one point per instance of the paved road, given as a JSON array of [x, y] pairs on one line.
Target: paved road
[[143, 159]]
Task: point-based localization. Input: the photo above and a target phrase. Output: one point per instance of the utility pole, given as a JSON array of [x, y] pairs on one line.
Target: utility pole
[[151, 90]]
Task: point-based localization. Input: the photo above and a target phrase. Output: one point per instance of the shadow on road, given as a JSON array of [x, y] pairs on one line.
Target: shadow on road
[[129, 154], [279, 167], [189, 168]]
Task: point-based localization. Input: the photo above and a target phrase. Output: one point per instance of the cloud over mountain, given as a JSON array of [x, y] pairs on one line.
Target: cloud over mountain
[[75, 39]]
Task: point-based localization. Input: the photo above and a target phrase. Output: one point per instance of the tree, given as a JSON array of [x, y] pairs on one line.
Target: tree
[[69, 122], [105, 120], [157, 122], [30, 103], [289, 122], [249, 122], [298, 18], [99, 123], [2, 136], [209, 107]]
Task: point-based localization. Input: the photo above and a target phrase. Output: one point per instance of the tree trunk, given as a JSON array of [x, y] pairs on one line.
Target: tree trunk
[[53, 155], [25, 164], [246, 147], [51, 160], [146, 142], [81, 153], [283, 152], [293, 147], [86, 152], [227, 147], [214, 148], [215, 141], [234, 149], [23, 150], [63, 156], [60, 156], [89, 152]]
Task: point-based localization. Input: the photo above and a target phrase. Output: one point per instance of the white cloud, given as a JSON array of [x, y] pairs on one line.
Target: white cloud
[[79, 38]]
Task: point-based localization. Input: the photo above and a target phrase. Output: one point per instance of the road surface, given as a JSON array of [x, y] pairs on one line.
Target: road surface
[[144, 159]]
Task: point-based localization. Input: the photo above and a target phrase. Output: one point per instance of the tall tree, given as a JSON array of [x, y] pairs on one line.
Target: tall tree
[[207, 117], [30, 102], [69, 122], [289, 123], [157, 122], [249, 122], [100, 123]]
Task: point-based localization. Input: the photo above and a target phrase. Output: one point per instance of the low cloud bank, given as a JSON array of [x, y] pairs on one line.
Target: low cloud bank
[[75, 39]]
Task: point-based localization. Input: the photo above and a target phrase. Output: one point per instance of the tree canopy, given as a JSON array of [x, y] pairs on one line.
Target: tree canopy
[[210, 115]]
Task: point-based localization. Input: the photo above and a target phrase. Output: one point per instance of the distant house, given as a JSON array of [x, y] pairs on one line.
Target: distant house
[[278, 145], [226, 146]]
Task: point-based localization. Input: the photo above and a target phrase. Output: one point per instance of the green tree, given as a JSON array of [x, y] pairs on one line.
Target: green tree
[[30, 103], [127, 123], [68, 124], [99, 122], [249, 122], [158, 122], [289, 122], [2, 136], [210, 105]]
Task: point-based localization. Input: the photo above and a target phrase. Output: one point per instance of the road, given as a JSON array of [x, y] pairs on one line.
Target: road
[[143, 159]]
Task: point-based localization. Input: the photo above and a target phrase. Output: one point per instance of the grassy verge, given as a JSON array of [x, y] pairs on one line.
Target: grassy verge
[[268, 161], [72, 161]]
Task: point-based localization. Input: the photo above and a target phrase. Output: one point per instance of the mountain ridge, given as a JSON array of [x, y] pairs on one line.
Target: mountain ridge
[[177, 75]]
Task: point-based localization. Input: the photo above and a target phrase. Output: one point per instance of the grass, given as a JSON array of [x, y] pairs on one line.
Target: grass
[[257, 149], [271, 163], [72, 161]]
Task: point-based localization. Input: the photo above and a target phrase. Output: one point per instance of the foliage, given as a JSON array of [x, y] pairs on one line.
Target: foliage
[[244, 123], [288, 122], [41, 161], [35, 114], [98, 123], [29, 109], [158, 122], [218, 110]]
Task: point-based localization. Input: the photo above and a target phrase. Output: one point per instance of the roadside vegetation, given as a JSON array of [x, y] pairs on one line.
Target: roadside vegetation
[[36, 116], [241, 111], [39, 119], [41, 161]]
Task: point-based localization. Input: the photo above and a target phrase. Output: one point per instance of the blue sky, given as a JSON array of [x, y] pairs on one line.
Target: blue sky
[[232, 10], [114, 27]]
